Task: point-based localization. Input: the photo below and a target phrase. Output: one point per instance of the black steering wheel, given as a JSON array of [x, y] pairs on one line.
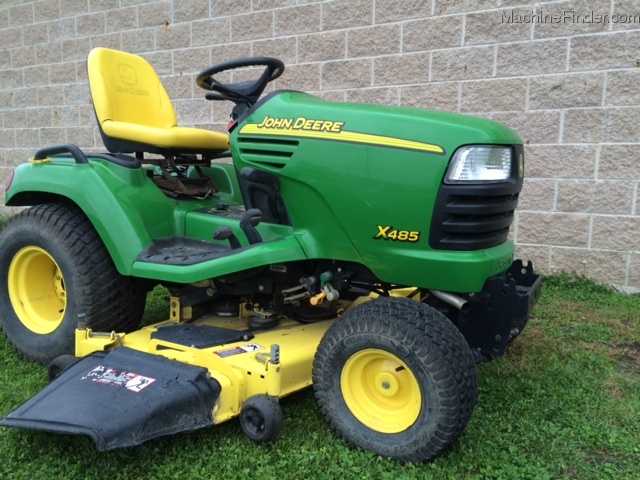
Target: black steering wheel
[[245, 92]]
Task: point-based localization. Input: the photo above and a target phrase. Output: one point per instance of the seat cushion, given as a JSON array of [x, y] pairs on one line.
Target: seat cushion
[[174, 138]]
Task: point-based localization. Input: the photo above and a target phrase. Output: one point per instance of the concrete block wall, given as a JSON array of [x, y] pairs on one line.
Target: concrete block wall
[[563, 74]]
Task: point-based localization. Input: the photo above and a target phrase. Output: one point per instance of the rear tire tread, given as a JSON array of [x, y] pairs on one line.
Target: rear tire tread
[[111, 302]]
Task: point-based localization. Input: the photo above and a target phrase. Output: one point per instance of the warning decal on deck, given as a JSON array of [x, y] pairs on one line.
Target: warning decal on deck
[[252, 347], [229, 352], [133, 382]]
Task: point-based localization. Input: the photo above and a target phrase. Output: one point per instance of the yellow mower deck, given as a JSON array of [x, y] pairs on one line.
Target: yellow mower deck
[[178, 375], [243, 368]]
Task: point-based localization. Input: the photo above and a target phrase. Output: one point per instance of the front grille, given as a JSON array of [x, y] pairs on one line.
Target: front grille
[[473, 217]]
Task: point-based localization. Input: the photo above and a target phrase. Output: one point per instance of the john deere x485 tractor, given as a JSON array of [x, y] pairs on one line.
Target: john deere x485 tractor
[[360, 249]]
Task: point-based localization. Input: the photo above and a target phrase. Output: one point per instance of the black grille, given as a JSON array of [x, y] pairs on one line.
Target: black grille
[[473, 217], [272, 152]]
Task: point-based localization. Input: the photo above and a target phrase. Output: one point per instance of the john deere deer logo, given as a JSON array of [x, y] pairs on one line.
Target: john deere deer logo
[[127, 74]]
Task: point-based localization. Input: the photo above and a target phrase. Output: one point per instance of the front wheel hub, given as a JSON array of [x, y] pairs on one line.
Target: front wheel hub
[[381, 391]]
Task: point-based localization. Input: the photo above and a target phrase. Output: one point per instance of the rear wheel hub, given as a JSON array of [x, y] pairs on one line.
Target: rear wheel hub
[[37, 290]]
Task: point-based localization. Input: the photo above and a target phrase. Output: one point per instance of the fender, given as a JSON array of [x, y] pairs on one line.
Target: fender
[[125, 208], [128, 211]]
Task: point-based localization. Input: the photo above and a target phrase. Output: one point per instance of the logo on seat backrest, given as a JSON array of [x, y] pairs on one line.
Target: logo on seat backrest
[[127, 74]]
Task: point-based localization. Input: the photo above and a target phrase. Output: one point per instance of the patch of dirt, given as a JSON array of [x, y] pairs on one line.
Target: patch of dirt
[[613, 389], [635, 346], [628, 357]]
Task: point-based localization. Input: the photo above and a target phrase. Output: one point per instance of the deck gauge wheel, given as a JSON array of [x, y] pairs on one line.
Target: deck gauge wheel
[[261, 418], [59, 365]]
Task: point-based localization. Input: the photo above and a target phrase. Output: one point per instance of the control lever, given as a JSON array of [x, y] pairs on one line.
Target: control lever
[[326, 290], [248, 222], [225, 233]]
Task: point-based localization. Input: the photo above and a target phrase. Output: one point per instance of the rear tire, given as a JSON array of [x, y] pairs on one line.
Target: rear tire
[[395, 377], [54, 266]]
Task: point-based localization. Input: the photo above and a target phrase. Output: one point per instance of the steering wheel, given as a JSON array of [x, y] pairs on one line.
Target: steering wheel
[[244, 92]]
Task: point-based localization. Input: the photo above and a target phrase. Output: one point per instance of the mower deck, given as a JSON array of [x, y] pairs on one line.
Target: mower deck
[[170, 377]]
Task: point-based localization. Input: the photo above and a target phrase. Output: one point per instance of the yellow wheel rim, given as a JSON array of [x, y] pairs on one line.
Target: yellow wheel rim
[[381, 391], [37, 290]]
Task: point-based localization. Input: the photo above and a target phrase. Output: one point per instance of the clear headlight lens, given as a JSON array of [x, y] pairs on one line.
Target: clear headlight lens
[[480, 163]]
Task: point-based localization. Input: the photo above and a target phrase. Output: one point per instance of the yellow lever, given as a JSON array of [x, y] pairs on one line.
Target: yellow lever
[[316, 299]]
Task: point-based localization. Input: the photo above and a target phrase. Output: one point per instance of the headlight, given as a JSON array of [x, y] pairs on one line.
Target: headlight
[[480, 163]]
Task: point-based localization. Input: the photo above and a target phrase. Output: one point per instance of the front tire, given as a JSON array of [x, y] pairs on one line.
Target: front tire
[[394, 376], [54, 266]]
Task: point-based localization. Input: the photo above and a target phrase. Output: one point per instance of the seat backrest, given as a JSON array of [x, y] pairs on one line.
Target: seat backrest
[[126, 88]]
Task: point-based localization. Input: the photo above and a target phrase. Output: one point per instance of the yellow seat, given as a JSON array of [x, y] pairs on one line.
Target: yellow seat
[[134, 111]]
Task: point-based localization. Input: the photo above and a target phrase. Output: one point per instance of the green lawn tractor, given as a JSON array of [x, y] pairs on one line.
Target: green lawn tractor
[[360, 249]]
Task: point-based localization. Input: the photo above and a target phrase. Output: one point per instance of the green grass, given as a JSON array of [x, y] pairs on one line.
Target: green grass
[[563, 403]]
